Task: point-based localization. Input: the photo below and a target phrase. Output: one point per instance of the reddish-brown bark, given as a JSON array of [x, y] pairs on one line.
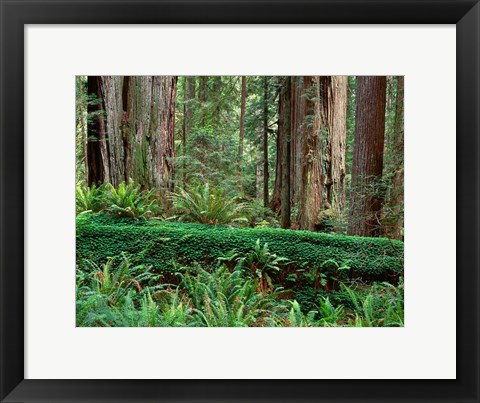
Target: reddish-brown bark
[[366, 195]]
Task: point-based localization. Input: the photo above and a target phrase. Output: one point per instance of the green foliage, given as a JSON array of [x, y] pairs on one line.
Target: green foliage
[[297, 318], [227, 299], [259, 216], [329, 314], [114, 281], [119, 293], [261, 263], [161, 244], [101, 289], [326, 272], [129, 201], [205, 205], [89, 199], [382, 305]]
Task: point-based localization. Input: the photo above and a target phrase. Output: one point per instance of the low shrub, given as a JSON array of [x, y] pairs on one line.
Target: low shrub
[[164, 245], [89, 199], [228, 299], [126, 200], [203, 204]]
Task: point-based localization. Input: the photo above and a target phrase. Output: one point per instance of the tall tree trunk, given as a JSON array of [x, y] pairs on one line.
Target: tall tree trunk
[[190, 99], [298, 127], [366, 196], [337, 107], [396, 191], [319, 152], [184, 133], [112, 87], [189, 95], [285, 124], [216, 96], [276, 202], [259, 166], [202, 95], [161, 134], [266, 175], [97, 151], [139, 124], [83, 129], [242, 118], [311, 186]]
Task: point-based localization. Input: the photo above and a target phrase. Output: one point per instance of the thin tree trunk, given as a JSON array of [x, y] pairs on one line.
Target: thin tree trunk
[[83, 128], [203, 98], [298, 127], [242, 118], [189, 95], [366, 195], [184, 133], [285, 116], [266, 175], [259, 166], [276, 201], [396, 192]]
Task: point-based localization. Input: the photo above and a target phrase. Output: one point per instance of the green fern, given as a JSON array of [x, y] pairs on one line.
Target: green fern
[[297, 318], [262, 264], [226, 299], [89, 199], [207, 206], [129, 201]]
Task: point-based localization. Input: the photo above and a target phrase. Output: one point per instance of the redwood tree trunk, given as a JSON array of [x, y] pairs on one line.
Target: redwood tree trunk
[[321, 156], [151, 119], [311, 187], [366, 195], [337, 107], [112, 87], [297, 125], [97, 151], [139, 123]]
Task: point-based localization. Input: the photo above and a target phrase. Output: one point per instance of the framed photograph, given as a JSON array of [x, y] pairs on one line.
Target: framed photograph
[[239, 201]]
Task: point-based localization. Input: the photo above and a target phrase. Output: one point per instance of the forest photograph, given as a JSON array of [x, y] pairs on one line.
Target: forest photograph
[[239, 201]]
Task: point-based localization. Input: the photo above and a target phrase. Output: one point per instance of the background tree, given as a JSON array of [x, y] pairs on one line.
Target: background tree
[[337, 122], [395, 202], [284, 127], [242, 117], [307, 149], [97, 149], [322, 133], [309, 157], [266, 175], [367, 166]]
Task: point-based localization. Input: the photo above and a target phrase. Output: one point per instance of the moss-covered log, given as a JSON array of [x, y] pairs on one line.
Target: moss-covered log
[[166, 246]]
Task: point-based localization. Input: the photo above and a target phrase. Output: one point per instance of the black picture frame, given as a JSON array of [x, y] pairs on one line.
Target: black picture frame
[[15, 14]]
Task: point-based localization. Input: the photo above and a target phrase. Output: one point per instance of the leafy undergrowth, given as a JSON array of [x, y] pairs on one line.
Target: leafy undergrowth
[[127, 295]]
